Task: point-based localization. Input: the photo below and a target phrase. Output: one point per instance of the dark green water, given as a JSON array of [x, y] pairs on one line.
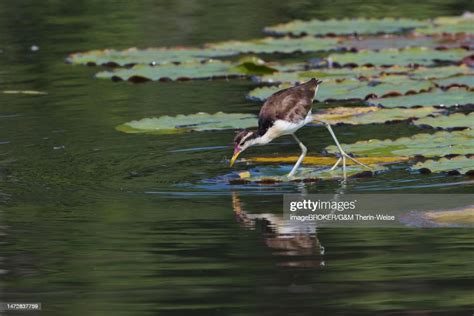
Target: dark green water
[[97, 222]]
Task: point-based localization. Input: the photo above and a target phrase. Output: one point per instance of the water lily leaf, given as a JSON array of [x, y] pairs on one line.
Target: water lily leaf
[[186, 71], [440, 72], [186, 123], [278, 45], [448, 121], [365, 72], [275, 175], [459, 81], [252, 66], [330, 73], [371, 115], [390, 41], [464, 216], [135, 56], [353, 89], [344, 26], [405, 41], [460, 24], [428, 145], [455, 40], [325, 161], [403, 57], [451, 97], [455, 165], [30, 92]]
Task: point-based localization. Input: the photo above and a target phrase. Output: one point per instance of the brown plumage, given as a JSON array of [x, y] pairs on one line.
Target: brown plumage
[[291, 105]]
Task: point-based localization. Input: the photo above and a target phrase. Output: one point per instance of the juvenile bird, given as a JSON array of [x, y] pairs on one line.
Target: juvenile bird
[[283, 113]]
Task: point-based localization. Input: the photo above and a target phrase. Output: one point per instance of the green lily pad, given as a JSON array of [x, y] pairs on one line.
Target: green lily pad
[[428, 145], [371, 115], [186, 71], [277, 45], [460, 24], [464, 40], [273, 175], [135, 56], [451, 97], [365, 72], [403, 57], [458, 165], [255, 66], [463, 81], [187, 123], [330, 73], [390, 41], [29, 92], [353, 89], [440, 72], [405, 41], [344, 26], [448, 121]]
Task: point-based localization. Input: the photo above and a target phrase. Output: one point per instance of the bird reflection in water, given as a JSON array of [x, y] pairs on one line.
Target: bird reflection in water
[[296, 243]]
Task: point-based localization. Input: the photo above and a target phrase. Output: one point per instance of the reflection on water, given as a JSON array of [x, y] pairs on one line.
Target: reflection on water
[[283, 237]]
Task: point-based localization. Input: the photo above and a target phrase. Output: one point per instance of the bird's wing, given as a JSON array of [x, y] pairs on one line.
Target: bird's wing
[[292, 105]]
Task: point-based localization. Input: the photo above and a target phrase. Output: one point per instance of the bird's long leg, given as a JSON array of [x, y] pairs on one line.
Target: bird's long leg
[[300, 159], [341, 151], [336, 164]]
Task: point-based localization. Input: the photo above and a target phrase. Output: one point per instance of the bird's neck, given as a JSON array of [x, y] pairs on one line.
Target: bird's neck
[[262, 140]]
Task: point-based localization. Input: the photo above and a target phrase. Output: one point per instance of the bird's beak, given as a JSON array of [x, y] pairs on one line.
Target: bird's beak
[[237, 152]]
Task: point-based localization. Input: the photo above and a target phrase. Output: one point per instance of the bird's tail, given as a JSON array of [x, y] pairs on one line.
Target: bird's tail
[[315, 82]]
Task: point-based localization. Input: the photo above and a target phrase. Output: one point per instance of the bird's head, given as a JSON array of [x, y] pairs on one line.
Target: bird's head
[[242, 141]]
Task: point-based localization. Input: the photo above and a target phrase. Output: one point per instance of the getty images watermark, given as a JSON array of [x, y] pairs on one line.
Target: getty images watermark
[[359, 210], [335, 211]]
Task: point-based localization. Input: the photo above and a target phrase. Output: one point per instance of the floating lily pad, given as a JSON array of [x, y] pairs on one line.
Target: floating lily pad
[[344, 26], [449, 121], [331, 73], [455, 165], [428, 145], [455, 40], [275, 175], [186, 71], [462, 81], [135, 56], [365, 72], [371, 115], [326, 161], [353, 89], [186, 123], [29, 92], [440, 72], [405, 41], [403, 57], [255, 66], [390, 41], [460, 24], [278, 45], [464, 216], [451, 97]]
